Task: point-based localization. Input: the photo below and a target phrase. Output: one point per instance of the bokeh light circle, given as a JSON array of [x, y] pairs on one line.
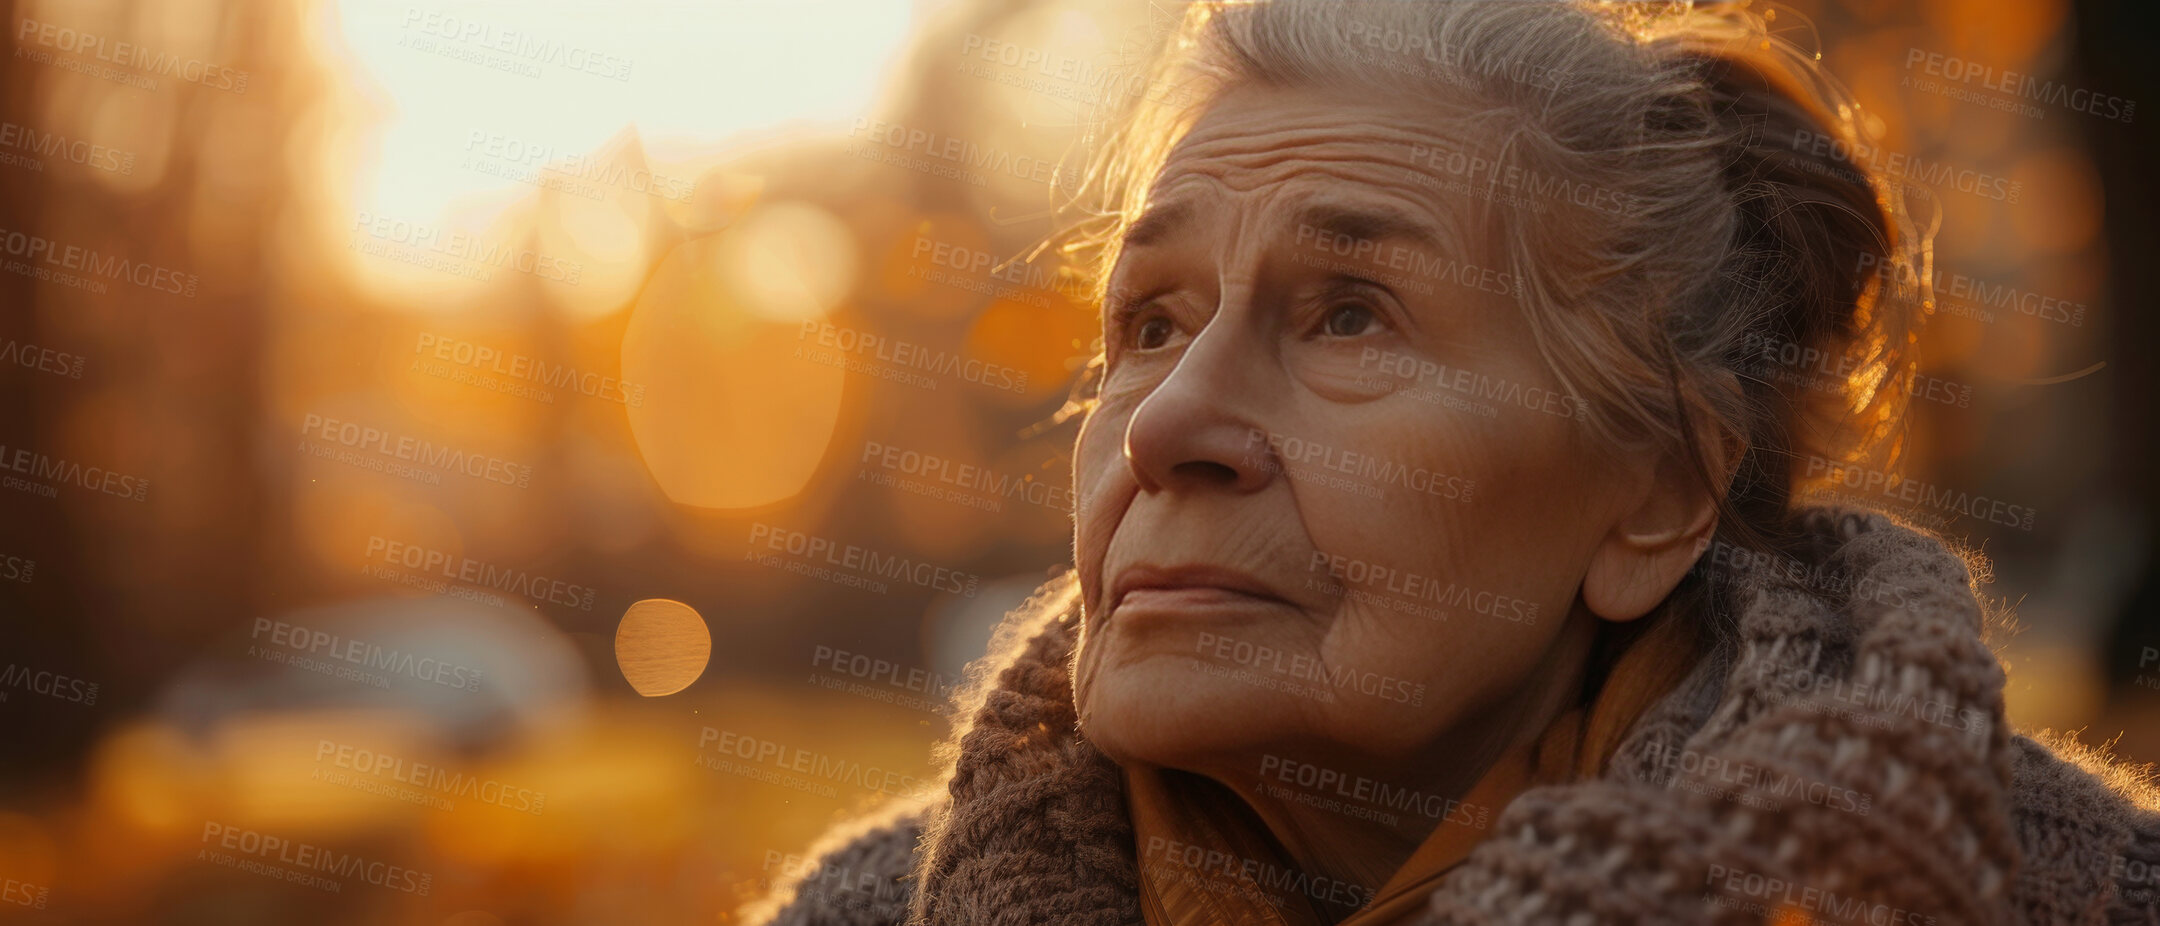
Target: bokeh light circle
[[739, 407], [662, 646]]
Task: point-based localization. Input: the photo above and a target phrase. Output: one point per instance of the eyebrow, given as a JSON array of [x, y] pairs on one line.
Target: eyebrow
[[1369, 223], [1156, 224], [1363, 223]]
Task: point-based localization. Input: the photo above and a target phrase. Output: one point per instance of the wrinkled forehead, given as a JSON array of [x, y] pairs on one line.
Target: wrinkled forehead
[[1262, 157]]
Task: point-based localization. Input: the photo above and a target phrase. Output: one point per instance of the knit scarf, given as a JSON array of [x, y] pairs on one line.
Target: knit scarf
[[1847, 762]]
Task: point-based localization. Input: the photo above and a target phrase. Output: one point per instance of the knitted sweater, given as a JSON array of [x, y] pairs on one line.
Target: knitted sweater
[[1849, 765]]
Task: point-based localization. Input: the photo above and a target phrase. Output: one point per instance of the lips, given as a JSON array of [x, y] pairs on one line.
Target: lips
[[1190, 588]]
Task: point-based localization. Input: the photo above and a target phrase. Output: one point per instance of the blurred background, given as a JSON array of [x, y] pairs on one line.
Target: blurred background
[[546, 462]]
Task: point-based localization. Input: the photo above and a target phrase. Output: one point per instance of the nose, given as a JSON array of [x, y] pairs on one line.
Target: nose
[[1205, 423]]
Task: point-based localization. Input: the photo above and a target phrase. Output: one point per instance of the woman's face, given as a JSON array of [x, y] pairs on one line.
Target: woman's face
[[1331, 500]]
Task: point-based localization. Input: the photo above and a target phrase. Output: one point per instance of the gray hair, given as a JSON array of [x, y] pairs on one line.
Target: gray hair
[[1719, 225]]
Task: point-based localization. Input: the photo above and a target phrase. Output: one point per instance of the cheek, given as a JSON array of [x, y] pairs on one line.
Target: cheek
[[1410, 498], [1453, 592], [1103, 488], [1508, 499]]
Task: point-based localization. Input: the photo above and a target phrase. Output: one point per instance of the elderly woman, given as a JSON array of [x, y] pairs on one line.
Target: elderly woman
[[1444, 547]]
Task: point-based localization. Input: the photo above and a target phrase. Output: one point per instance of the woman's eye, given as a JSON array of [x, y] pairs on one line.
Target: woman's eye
[[1153, 333], [1348, 320]]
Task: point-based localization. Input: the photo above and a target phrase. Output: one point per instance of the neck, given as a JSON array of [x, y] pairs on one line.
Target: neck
[[1363, 851]]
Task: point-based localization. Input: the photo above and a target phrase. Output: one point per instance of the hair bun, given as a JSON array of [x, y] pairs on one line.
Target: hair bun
[[1814, 229]]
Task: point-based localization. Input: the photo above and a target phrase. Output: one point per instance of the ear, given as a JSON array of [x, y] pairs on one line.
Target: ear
[[1652, 546]]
